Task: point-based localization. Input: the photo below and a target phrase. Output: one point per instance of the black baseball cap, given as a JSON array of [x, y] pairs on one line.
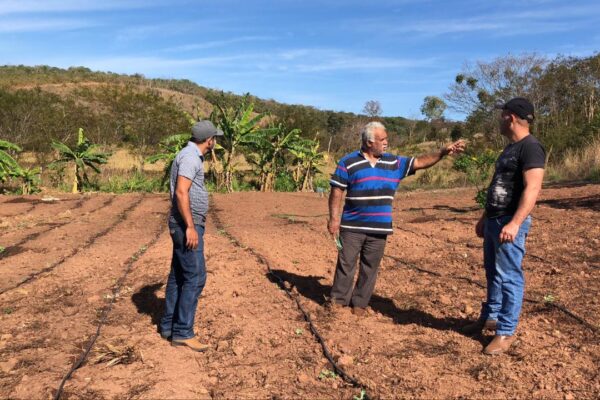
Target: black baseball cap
[[204, 130], [519, 106]]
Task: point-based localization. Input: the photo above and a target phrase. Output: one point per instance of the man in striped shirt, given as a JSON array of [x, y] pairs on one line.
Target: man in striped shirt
[[370, 177]]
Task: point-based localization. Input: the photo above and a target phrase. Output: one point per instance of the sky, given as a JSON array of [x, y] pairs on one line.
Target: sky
[[330, 54]]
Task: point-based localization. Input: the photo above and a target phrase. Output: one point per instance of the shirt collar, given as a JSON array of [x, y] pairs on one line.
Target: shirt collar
[[192, 144]]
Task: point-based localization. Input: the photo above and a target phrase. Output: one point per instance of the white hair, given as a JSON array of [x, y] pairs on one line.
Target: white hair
[[368, 132]]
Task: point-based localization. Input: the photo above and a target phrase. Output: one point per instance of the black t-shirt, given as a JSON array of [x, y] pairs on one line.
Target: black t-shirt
[[506, 188]]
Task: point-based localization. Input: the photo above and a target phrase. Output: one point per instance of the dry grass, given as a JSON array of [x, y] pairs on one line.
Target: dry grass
[[579, 164], [124, 160]]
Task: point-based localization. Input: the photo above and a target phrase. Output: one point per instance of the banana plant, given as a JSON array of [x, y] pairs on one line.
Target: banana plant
[[239, 126], [8, 165], [170, 146], [308, 159], [83, 155], [270, 147]]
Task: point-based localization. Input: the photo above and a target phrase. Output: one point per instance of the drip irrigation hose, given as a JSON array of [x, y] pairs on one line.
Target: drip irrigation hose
[[555, 305], [120, 217], [106, 310], [281, 283], [481, 285], [34, 236]]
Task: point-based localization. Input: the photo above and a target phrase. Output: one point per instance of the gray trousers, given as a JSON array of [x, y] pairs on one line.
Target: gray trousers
[[370, 248]]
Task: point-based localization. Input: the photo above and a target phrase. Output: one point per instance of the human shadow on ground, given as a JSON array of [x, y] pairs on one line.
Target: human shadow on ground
[[147, 302], [311, 288], [445, 207], [572, 203]]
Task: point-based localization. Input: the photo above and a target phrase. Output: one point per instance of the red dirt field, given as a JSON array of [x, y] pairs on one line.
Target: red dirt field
[[82, 262]]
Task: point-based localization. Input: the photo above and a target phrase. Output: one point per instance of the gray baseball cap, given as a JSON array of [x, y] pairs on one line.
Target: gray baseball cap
[[204, 130]]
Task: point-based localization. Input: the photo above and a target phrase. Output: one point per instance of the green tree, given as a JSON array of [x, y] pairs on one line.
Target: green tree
[[433, 108], [84, 154]]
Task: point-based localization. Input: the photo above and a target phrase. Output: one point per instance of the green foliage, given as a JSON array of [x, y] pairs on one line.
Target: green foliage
[[478, 168], [8, 165], [30, 179], [361, 396], [327, 374], [169, 147], [240, 126], [433, 108], [138, 182], [284, 182], [84, 155]]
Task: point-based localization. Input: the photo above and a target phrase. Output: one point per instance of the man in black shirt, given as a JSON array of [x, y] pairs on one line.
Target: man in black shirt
[[506, 221]]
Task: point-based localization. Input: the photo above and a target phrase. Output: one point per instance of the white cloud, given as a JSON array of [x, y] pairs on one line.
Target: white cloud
[[41, 6], [43, 24], [217, 43]]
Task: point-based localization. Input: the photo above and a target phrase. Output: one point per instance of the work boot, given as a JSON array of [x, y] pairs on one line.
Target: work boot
[[334, 307], [166, 335], [478, 326], [192, 343], [500, 344], [359, 311]]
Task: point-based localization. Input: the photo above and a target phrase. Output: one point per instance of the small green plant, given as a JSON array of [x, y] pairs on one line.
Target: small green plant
[[299, 331], [327, 374], [2, 249], [8, 310], [361, 396], [478, 168]]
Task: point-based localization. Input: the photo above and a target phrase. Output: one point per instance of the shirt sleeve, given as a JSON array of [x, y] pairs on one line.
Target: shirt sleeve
[[533, 156], [405, 166], [189, 168], [339, 178]]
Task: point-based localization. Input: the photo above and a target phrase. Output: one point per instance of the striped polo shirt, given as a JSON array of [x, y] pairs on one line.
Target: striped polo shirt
[[370, 190]]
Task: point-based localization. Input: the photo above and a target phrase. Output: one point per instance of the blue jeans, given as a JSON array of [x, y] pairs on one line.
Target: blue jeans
[[184, 285], [504, 275]]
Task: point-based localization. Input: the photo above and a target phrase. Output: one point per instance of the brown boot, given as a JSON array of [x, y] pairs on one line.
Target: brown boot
[[192, 343], [334, 307], [500, 344], [359, 311], [478, 326]]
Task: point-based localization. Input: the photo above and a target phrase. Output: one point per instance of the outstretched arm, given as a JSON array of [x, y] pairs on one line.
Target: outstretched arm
[[428, 160]]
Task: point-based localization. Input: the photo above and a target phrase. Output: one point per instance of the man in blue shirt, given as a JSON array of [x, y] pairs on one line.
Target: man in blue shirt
[[189, 205], [370, 177]]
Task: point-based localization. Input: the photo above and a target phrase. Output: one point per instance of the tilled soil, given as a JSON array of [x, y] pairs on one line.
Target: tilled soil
[[63, 263]]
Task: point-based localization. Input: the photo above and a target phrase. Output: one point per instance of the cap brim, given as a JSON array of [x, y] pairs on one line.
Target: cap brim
[[219, 133]]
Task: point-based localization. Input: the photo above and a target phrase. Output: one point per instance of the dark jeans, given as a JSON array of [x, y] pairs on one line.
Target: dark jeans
[[504, 274], [184, 285], [370, 249]]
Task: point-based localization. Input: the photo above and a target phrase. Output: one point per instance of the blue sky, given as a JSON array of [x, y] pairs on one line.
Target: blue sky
[[329, 54]]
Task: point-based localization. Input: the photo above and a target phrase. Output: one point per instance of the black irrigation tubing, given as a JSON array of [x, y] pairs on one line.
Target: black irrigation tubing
[[120, 217], [31, 207], [106, 310], [281, 283], [558, 306], [34, 236]]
